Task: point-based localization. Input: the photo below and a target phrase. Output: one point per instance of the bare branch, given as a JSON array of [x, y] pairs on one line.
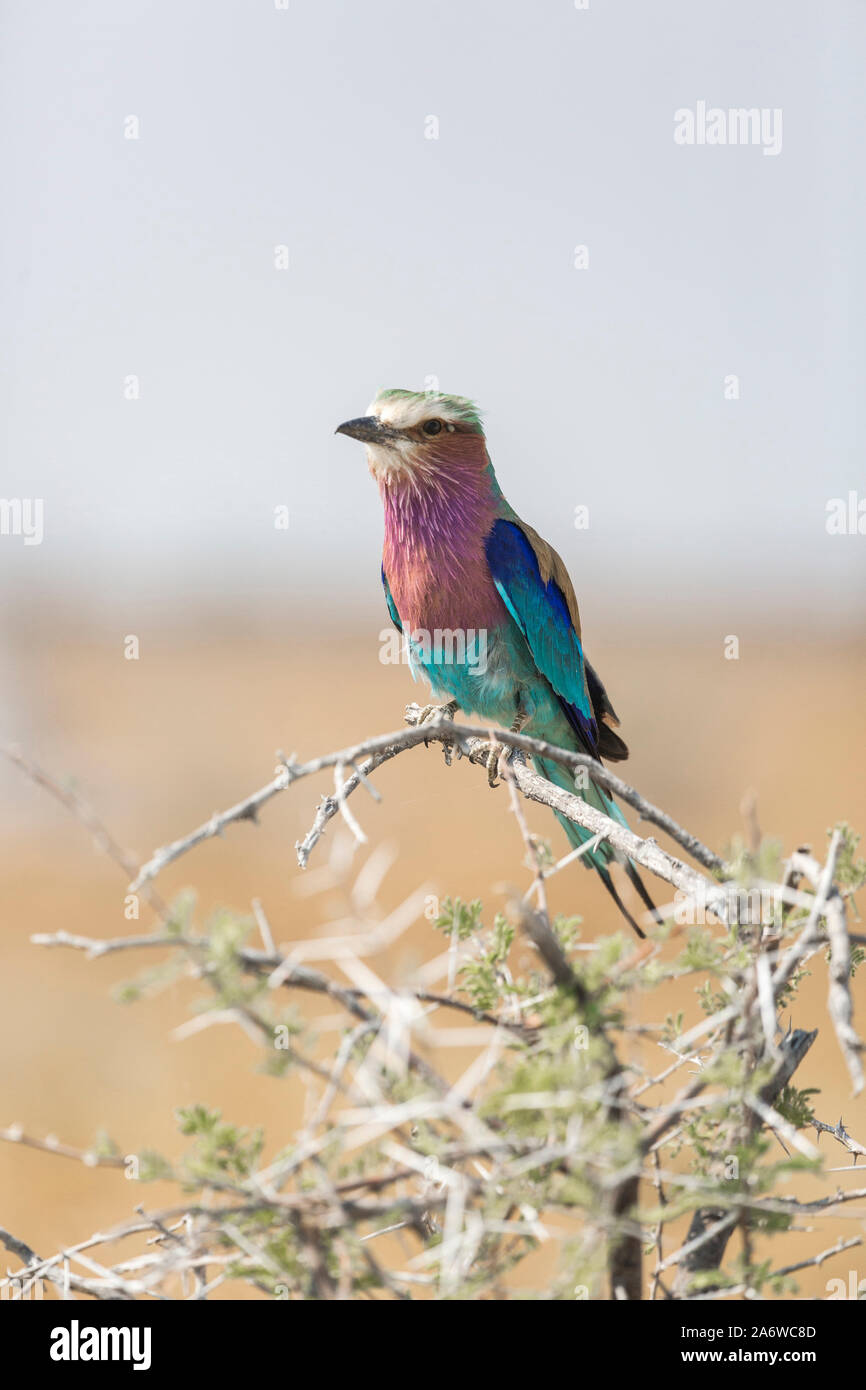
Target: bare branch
[[472, 740]]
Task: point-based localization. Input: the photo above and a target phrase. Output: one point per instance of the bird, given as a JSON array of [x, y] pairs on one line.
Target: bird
[[458, 559]]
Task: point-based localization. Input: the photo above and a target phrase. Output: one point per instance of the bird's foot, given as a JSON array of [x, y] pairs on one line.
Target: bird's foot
[[425, 713], [494, 755], [433, 714]]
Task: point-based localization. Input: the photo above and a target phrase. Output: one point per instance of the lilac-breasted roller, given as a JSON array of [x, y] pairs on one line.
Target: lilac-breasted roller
[[458, 559]]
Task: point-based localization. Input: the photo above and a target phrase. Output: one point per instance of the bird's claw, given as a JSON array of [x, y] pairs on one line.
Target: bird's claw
[[494, 756], [430, 712], [434, 714]]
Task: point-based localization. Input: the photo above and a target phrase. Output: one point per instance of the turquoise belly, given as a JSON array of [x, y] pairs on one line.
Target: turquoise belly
[[494, 677]]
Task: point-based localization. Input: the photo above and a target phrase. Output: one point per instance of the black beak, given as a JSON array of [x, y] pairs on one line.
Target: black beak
[[369, 430]]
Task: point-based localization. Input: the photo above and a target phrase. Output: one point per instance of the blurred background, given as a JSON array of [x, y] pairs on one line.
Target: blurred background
[[228, 224]]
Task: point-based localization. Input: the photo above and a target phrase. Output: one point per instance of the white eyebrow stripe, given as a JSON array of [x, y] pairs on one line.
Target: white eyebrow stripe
[[404, 412]]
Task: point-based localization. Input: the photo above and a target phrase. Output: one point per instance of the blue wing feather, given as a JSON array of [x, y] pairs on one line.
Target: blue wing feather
[[389, 599], [541, 612]]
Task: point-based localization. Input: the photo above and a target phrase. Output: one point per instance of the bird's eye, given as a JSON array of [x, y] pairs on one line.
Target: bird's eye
[[432, 426]]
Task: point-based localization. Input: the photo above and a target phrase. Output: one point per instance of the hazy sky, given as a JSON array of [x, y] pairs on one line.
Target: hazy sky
[[413, 257]]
